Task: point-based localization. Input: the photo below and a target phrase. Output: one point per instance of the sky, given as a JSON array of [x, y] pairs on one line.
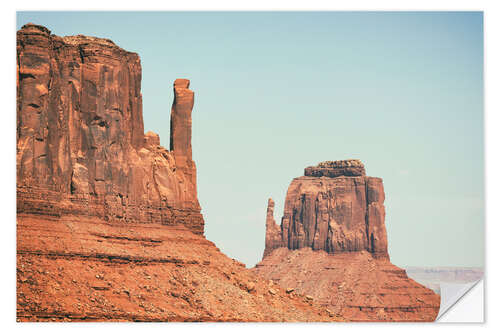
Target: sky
[[276, 92]]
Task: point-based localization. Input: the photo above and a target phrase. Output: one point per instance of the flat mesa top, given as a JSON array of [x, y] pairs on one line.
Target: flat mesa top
[[332, 169], [76, 40], [341, 164], [81, 39]]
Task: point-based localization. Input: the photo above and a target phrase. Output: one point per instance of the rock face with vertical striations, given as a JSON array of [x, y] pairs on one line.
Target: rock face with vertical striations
[[335, 208], [273, 233], [108, 221], [81, 147], [332, 246]]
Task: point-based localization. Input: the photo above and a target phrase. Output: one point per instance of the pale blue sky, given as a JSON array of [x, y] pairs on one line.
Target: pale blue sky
[[278, 91]]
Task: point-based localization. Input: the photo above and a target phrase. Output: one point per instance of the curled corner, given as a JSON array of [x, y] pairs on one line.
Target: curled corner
[[462, 302]]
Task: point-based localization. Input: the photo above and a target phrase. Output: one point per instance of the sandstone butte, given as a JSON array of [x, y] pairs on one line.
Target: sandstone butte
[[332, 247], [109, 226]]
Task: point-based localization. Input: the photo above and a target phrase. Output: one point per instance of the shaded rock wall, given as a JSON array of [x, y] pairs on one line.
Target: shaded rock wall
[[336, 209], [81, 147]]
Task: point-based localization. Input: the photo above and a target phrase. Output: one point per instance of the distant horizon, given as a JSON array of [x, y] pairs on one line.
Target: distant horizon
[[276, 92], [460, 267]]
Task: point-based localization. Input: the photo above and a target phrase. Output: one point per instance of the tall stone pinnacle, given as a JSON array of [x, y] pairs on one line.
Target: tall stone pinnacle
[[180, 122], [81, 147], [273, 232]]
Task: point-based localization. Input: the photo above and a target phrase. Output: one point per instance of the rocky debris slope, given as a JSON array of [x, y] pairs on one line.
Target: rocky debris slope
[[81, 147], [81, 269], [332, 245], [335, 208], [354, 285]]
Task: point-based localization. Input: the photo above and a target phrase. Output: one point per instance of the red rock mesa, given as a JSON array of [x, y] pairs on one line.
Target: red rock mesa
[[81, 147], [335, 208], [332, 245], [108, 222]]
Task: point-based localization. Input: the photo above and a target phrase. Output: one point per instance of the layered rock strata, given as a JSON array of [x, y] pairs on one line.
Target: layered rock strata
[[336, 168], [84, 167], [332, 246], [335, 208], [81, 147], [74, 268]]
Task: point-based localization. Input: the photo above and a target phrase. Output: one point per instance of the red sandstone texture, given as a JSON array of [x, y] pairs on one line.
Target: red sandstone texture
[[108, 222], [354, 285], [82, 269], [81, 147], [332, 210], [332, 246]]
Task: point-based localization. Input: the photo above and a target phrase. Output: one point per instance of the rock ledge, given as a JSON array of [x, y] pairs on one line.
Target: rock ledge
[[332, 169]]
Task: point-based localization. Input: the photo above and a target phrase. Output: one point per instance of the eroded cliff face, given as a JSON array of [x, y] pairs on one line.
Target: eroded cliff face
[[81, 147], [84, 167], [335, 208], [332, 246]]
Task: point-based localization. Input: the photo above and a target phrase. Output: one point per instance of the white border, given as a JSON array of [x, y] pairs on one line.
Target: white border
[[492, 57]]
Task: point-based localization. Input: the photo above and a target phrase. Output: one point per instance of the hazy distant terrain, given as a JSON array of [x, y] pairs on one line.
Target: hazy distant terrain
[[431, 277]]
